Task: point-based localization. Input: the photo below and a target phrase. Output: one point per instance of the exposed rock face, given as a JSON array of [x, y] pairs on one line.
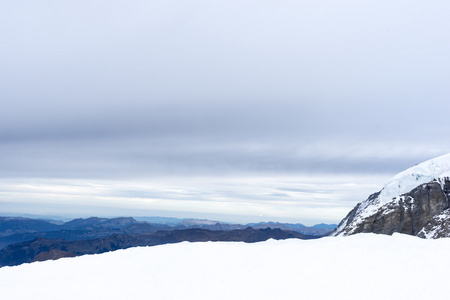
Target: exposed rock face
[[422, 211], [407, 214], [439, 226]]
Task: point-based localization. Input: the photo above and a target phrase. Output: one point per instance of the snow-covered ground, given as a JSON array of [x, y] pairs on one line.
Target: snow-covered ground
[[363, 266]]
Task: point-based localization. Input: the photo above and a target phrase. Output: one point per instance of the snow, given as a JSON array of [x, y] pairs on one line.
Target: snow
[[431, 234], [436, 168], [363, 266]]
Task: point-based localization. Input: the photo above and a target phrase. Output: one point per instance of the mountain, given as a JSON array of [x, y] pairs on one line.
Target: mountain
[[329, 227], [14, 225], [17, 230], [160, 220], [41, 248], [94, 222], [19, 225], [414, 202], [317, 230]]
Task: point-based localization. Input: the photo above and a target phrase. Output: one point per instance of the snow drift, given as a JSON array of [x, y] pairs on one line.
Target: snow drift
[[363, 266]]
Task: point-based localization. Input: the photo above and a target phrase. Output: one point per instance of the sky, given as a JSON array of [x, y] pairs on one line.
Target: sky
[[239, 111]]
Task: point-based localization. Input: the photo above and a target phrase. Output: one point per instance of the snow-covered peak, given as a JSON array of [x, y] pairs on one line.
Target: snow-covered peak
[[407, 180], [391, 200]]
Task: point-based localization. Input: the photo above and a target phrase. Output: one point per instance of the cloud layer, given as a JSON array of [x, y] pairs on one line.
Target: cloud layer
[[127, 90]]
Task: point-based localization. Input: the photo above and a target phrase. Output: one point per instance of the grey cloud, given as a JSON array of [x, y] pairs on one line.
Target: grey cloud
[[304, 190], [283, 195], [91, 89], [89, 58], [122, 158]]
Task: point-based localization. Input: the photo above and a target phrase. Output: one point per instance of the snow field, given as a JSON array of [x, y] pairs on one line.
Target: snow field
[[363, 266]]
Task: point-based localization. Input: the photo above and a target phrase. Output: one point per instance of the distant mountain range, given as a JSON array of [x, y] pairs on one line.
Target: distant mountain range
[[317, 230], [41, 249], [26, 239], [17, 229]]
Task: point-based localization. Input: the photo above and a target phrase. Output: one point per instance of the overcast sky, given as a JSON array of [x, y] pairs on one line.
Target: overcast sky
[[244, 110]]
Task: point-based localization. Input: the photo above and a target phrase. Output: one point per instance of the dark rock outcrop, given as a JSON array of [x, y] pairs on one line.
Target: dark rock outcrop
[[439, 226]]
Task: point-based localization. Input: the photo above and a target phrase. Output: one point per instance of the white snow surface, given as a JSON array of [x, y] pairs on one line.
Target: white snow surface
[[363, 266]]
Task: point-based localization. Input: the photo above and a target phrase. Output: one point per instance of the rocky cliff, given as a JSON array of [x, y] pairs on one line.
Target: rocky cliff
[[414, 202]]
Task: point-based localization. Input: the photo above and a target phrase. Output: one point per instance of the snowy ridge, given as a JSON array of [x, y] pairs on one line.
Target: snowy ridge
[[436, 169], [433, 169]]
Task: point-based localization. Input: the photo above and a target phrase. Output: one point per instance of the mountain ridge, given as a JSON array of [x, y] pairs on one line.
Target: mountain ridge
[[17, 229], [42, 249], [414, 202]]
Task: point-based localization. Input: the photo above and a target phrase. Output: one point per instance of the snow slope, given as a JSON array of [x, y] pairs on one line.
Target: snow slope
[[363, 266]]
